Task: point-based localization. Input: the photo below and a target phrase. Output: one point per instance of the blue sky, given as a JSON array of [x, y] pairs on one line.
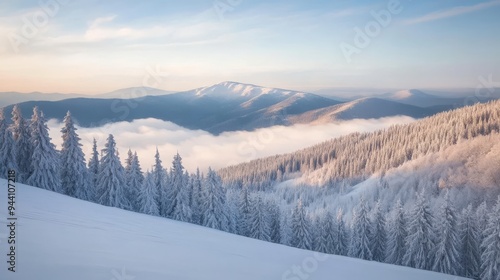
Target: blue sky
[[99, 46]]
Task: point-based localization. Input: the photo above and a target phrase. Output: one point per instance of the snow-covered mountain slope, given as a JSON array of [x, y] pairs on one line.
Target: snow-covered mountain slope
[[252, 98], [223, 107], [234, 90], [58, 237], [365, 108]]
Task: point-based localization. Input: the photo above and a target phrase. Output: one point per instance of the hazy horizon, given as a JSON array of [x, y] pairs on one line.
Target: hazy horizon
[[320, 91]]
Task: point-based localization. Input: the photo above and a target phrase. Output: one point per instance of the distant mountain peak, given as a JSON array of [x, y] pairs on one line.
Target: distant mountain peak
[[410, 93], [235, 89]]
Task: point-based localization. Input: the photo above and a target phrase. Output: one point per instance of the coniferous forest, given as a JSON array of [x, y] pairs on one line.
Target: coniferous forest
[[359, 195]]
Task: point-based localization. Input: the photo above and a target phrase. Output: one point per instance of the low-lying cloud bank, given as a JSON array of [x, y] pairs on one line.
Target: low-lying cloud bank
[[201, 149]]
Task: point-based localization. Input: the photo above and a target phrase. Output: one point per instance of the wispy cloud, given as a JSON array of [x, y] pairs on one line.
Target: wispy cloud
[[452, 12]]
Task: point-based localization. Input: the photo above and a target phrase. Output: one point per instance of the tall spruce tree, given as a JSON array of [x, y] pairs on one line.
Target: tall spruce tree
[[180, 191], [24, 148], [8, 149], [470, 246], [244, 213], [160, 181], [490, 258], [45, 164], [482, 212], [148, 196], [111, 179], [74, 173], [396, 235], [301, 228], [342, 238], [274, 221], [326, 237], [446, 252], [362, 233], [420, 239], [93, 168], [259, 222], [379, 237], [215, 214], [134, 178], [197, 198]]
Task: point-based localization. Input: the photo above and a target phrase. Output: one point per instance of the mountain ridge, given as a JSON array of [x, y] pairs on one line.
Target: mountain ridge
[[230, 106]]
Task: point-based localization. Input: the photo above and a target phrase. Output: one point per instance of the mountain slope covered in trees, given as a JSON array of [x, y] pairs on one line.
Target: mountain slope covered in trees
[[357, 156]]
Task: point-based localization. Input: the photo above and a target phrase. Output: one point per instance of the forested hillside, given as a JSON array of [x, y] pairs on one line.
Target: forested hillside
[[357, 156]]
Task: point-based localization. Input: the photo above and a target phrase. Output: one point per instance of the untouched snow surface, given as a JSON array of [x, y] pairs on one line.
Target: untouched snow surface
[[64, 238]]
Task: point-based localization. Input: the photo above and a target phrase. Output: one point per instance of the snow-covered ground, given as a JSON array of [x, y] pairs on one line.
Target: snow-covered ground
[[58, 237]]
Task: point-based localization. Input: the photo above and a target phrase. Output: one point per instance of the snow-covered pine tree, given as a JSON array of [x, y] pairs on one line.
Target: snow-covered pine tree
[[341, 243], [469, 239], [160, 180], [490, 258], [301, 228], [184, 211], [482, 212], [8, 152], [286, 228], [420, 239], [111, 179], [232, 210], [148, 196], [446, 253], [379, 237], [362, 233], [259, 222], [179, 191], [396, 235], [93, 168], [274, 222], [24, 148], [74, 174], [45, 165], [244, 213], [197, 198], [325, 239], [215, 215], [189, 184], [134, 178]]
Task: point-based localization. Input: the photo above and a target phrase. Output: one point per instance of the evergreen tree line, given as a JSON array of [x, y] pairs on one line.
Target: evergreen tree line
[[26, 147], [465, 242]]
